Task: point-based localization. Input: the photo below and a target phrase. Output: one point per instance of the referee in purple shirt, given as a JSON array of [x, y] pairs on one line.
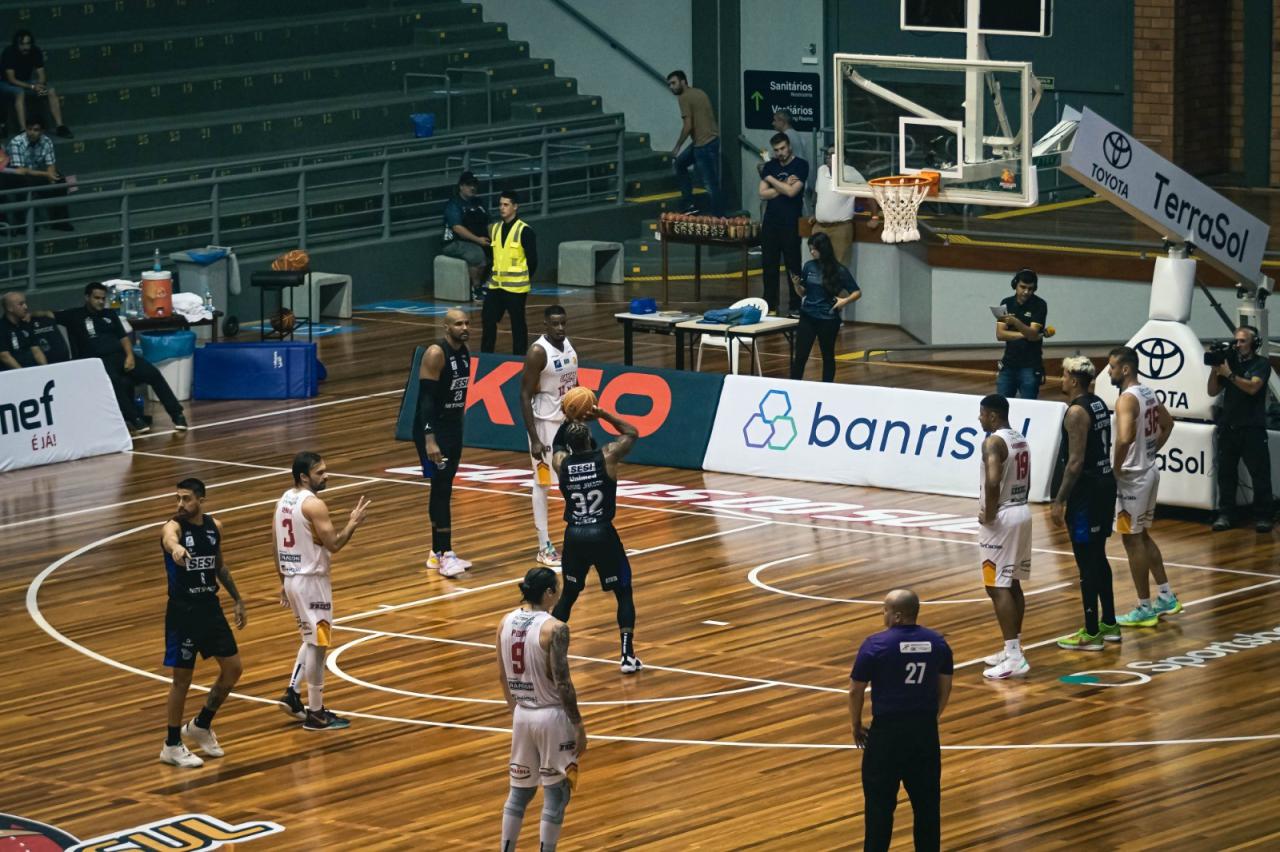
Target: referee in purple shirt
[[909, 669]]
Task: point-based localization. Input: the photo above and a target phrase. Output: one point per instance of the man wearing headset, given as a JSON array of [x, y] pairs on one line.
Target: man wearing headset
[[1242, 429], [1022, 330]]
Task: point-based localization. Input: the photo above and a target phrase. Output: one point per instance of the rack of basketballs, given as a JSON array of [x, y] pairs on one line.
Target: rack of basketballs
[[733, 228]]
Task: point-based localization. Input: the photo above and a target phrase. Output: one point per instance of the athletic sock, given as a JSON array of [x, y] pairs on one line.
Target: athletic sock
[[549, 836], [1165, 590], [174, 737], [299, 668], [628, 644], [1144, 603], [1013, 648], [540, 515], [205, 718], [446, 540]]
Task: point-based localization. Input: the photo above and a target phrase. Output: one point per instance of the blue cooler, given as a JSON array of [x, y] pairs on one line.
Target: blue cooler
[[171, 352], [269, 370]]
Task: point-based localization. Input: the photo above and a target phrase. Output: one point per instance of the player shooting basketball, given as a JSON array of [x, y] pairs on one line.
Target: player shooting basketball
[[589, 482]]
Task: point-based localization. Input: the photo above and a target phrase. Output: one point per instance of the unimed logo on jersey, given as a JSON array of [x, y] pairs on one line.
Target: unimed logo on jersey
[[185, 833]]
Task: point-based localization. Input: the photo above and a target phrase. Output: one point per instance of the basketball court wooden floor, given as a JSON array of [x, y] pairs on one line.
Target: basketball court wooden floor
[[750, 609]]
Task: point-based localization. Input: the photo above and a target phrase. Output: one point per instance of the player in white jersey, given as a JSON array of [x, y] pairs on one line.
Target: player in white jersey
[[547, 735], [1004, 530], [550, 371], [1141, 426], [303, 543]]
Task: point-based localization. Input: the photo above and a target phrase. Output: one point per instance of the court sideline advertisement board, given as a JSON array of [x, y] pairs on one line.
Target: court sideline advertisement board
[[673, 409], [58, 413], [909, 440]]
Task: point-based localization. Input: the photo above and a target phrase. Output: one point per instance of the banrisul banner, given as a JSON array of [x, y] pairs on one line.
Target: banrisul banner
[[859, 435], [58, 413], [673, 409], [1175, 204]]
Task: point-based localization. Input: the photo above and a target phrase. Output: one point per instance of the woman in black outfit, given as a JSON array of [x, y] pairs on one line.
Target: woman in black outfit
[[824, 287]]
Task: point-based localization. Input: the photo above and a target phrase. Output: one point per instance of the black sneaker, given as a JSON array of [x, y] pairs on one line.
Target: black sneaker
[[325, 720], [179, 423], [64, 132], [1264, 526], [630, 664], [137, 425], [1222, 522], [291, 703]]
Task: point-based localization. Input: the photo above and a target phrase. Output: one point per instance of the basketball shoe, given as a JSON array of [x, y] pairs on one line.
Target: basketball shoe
[[630, 664], [995, 659], [1082, 640], [1166, 606], [324, 720], [1110, 632], [548, 556], [204, 738], [1008, 667], [291, 703], [450, 565], [178, 755], [1139, 616]]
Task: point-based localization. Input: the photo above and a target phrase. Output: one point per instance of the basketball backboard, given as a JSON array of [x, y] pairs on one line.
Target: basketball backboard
[[995, 17], [969, 121]]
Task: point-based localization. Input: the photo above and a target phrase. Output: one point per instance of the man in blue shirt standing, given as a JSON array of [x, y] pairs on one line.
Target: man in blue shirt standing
[[782, 183], [909, 669]]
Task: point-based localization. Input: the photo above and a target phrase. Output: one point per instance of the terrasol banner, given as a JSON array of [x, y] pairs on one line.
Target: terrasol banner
[[859, 435], [58, 413]]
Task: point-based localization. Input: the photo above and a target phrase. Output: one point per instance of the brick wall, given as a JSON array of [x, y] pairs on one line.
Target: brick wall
[[1275, 98], [1201, 81], [1153, 73], [1235, 88]]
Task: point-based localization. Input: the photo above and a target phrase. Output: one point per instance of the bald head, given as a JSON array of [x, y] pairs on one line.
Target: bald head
[[15, 305], [457, 326], [902, 603]]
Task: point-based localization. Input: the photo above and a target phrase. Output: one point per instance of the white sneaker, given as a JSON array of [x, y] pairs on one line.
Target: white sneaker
[[450, 565], [204, 738], [548, 556], [996, 658], [630, 665], [1008, 667], [179, 756], [433, 561], [449, 554]]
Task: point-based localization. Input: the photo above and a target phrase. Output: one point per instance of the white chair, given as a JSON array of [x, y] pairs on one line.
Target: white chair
[[723, 341]]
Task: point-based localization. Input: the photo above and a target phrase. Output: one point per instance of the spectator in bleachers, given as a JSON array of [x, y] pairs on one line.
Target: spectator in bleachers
[[31, 163], [466, 229], [96, 332], [700, 126], [18, 345], [25, 78]]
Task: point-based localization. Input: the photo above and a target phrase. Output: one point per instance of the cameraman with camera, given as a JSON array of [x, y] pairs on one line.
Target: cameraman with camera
[[1241, 375]]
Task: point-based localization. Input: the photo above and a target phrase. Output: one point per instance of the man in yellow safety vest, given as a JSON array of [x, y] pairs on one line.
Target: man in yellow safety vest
[[515, 259]]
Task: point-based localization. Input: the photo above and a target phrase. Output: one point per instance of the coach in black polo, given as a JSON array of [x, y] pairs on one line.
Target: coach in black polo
[[909, 669]]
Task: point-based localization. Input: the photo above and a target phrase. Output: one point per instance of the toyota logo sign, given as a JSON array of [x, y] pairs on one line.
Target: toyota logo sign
[[1117, 149], [1159, 358]]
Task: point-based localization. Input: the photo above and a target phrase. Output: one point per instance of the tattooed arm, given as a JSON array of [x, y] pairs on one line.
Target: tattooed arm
[[224, 577], [559, 658]]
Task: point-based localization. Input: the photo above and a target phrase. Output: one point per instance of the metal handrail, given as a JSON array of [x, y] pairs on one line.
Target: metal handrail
[[598, 31], [308, 179]]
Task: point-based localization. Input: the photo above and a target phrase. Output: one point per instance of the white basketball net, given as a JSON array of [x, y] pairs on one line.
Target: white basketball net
[[899, 199]]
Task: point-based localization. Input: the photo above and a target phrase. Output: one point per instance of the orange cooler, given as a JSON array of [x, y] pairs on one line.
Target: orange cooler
[[157, 293]]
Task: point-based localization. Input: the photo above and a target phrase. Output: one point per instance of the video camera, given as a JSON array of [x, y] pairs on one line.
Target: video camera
[[1220, 352]]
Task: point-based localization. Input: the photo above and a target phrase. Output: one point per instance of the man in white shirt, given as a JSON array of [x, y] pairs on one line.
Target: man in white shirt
[[833, 212]]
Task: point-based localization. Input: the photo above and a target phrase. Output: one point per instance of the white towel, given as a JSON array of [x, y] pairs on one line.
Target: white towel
[[190, 307]]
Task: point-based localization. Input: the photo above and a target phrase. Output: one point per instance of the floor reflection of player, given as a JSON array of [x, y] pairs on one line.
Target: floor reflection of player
[[589, 481]]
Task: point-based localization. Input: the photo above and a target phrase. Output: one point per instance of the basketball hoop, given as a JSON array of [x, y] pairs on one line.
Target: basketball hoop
[[899, 197]]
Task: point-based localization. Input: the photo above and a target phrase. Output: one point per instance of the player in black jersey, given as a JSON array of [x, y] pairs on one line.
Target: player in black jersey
[[1085, 502], [443, 377], [194, 623], [589, 482]]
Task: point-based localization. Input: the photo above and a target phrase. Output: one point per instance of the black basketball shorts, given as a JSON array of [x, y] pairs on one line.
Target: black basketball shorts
[[191, 629], [598, 546]]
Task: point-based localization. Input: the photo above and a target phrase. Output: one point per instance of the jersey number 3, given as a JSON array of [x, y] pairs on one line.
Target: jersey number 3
[[289, 540]]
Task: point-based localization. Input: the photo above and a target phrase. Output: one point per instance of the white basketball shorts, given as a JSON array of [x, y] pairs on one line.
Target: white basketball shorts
[[1006, 547], [544, 747], [1136, 500], [311, 600]]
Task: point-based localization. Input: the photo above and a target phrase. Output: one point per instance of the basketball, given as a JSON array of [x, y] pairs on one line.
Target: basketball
[[578, 403], [283, 321]]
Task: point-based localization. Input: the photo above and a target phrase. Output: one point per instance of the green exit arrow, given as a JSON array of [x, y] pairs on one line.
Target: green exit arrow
[[757, 97]]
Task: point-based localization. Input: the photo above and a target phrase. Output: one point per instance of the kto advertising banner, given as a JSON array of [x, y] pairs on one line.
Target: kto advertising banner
[[860, 435], [58, 413], [672, 409]]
